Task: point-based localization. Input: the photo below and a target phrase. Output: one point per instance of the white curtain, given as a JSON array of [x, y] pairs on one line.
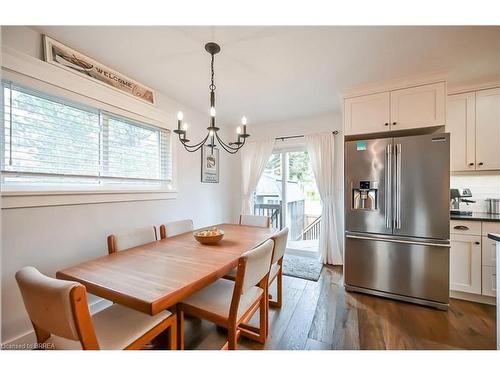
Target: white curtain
[[254, 157], [321, 152]]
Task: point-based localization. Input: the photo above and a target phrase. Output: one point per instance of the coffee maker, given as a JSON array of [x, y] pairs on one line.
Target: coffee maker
[[458, 196]]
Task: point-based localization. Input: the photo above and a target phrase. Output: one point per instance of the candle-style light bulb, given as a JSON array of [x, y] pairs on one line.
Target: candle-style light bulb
[[238, 130], [185, 126], [244, 123], [212, 111], [180, 116], [211, 133]]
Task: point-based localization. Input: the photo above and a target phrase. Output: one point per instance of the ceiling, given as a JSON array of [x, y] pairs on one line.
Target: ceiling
[[280, 73]]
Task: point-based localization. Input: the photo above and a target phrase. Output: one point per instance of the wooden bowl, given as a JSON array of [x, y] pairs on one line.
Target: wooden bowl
[[207, 240]]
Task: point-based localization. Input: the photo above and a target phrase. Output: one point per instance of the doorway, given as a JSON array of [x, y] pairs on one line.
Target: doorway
[[287, 193]]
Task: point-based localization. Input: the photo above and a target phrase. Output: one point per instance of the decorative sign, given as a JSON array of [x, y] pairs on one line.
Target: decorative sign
[[209, 164], [67, 58]]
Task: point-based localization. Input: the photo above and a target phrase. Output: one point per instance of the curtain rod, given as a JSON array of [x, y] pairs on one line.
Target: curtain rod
[[335, 132]]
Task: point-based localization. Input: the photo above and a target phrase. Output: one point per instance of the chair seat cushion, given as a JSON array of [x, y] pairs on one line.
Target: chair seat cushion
[[116, 327], [217, 297]]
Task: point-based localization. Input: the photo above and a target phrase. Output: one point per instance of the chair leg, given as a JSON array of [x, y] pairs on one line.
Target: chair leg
[[279, 291], [263, 317], [232, 338], [172, 335], [180, 330]]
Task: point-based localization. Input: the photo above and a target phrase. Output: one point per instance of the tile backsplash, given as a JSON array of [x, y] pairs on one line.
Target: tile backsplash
[[482, 187]]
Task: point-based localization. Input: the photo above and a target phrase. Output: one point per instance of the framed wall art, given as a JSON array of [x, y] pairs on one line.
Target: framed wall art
[[69, 59], [209, 165]]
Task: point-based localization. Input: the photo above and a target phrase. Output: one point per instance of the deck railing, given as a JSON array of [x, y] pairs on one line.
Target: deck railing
[[272, 210], [312, 231]]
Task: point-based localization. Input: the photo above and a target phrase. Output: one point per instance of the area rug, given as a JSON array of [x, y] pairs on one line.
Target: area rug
[[302, 267]]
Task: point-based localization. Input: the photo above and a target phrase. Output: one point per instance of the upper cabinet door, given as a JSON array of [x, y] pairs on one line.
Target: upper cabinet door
[[418, 107], [488, 129], [367, 114], [461, 123]]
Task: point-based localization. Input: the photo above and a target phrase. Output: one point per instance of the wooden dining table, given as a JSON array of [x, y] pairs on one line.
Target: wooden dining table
[[158, 275]]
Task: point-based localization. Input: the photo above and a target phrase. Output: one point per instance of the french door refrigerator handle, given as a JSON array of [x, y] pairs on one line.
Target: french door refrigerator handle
[[398, 185], [409, 242], [388, 188]]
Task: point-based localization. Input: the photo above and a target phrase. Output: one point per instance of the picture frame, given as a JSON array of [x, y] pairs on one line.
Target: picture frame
[[209, 165], [64, 57]]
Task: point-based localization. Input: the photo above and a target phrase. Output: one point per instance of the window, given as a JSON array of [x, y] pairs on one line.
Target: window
[[52, 142]]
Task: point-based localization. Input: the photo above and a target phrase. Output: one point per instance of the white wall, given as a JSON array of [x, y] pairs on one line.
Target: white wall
[[51, 238], [309, 125]]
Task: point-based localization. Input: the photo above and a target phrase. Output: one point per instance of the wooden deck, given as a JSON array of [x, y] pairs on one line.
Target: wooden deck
[[322, 315]]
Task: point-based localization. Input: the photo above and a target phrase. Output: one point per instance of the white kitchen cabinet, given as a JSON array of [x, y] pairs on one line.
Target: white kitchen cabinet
[[418, 107], [490, 227], [465, 263], [367, 114], [461, 123], [489, 281], [489, 252], [406, 108], [467, 227], [488, 129]]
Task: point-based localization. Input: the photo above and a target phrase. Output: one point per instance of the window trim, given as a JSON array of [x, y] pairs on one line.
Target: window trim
[[35, 74]]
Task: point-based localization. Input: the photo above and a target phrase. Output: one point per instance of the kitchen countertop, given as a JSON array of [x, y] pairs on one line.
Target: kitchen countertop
[[477, 216], [494, 236]]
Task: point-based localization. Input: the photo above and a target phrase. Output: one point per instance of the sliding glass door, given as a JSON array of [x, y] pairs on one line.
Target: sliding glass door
[[287, 193]]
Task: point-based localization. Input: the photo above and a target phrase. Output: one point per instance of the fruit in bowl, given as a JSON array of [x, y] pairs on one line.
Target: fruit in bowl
[[209, 236]]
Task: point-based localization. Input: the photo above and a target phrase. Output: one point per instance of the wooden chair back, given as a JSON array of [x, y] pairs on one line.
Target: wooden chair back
[[253, 269], [176, 227], [280, 240], [133, 238], [255, 221], [56, 307]]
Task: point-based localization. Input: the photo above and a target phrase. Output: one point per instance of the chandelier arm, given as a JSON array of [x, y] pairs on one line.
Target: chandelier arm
[[227, 148], [193, 150], [227, 145], [229, 151], [193, 146]]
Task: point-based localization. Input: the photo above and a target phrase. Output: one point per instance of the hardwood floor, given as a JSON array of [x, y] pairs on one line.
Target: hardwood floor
[[322, 315]]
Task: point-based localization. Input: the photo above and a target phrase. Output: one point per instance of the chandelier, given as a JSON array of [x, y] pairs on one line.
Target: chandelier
[[213, 131]]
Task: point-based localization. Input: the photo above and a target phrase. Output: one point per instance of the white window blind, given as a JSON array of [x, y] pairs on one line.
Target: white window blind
[[51, 141]]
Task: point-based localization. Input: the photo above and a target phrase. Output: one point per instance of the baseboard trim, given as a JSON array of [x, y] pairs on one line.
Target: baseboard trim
[[479, 298], [29, 337]]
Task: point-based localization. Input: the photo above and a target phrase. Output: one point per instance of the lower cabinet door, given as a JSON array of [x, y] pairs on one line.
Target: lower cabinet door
[[489, 281], [465, 263]]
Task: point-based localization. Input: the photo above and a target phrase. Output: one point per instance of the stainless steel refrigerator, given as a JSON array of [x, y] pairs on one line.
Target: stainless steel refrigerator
[[397, 218]]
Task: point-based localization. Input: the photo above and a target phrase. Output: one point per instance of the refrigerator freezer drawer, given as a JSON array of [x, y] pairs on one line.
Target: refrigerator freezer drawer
[[407, 268]]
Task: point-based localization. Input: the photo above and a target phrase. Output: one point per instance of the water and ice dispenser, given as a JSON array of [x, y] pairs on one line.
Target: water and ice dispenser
[[365, 195]]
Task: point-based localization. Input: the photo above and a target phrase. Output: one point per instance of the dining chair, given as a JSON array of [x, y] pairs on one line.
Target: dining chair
[[231, 304], [276, 272], [175, 227], [255, 220], [61, 318], [133, 238]]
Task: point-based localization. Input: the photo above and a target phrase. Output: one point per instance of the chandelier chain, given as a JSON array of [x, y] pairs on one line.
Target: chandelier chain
[[212, 86]]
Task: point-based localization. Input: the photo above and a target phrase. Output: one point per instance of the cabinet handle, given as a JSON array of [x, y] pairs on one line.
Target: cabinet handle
[[477, 243], [471, 164], [394, 123], [480, 163], [461, 227], [386, 124]]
